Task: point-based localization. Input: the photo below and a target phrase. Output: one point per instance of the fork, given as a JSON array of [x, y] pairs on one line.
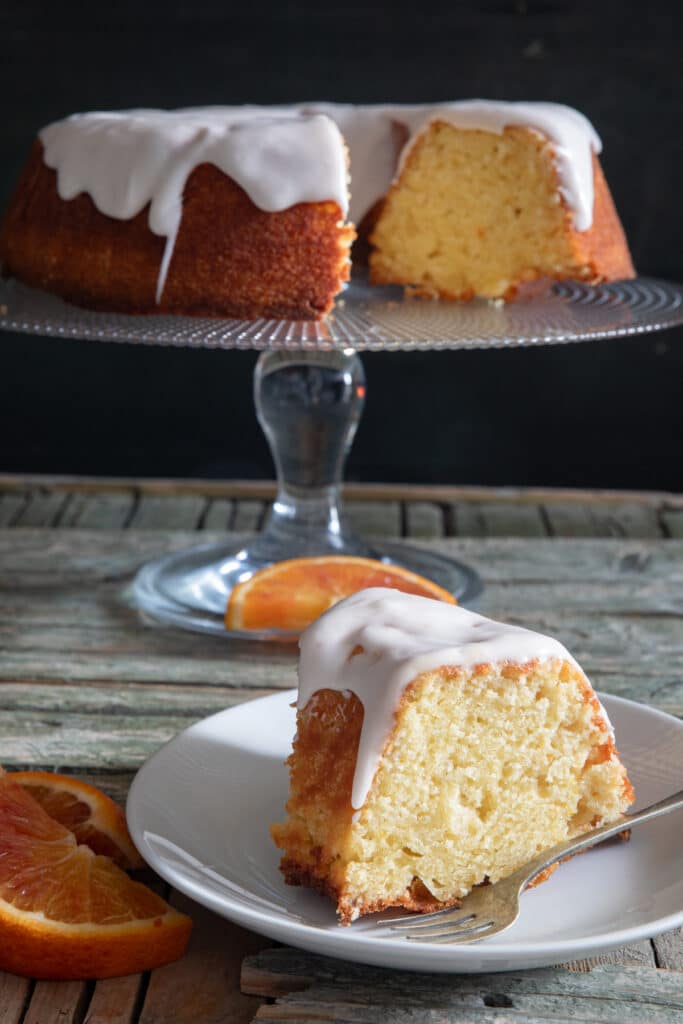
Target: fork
[[490, 909]]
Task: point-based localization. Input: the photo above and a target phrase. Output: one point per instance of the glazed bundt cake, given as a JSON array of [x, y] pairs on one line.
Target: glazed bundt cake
[[437, 750], [245, 211]]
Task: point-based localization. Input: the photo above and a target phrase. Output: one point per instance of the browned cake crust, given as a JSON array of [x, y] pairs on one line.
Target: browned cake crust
[[602, 249], [322, 766], [230, 258]]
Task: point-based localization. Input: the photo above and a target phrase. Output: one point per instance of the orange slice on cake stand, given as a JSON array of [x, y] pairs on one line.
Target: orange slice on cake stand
[[289, 595], [67, 912]]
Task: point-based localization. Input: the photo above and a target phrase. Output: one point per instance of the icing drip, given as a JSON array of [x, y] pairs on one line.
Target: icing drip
[[285, 155], [401, 636], [126, 160]]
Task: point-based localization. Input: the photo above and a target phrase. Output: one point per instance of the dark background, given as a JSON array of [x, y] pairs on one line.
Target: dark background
[[599, 414]]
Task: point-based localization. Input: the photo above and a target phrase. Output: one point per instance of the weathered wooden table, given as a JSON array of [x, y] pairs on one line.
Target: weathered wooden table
[[87, 688]]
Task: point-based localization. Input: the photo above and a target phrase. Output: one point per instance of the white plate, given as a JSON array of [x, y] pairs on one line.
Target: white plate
[[199, 812]]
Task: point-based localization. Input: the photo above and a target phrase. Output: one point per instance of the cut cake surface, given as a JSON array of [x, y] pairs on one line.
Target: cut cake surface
[[475, 213]]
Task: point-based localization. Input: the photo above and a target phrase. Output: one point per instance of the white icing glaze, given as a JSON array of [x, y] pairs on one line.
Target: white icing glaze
[[402, 635], [285, 155]]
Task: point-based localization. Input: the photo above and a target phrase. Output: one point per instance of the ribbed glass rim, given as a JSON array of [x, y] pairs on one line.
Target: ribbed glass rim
[[371, 318]]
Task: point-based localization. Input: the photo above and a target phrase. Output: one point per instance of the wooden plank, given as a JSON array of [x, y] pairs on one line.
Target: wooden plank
[[123, 744], [42, 509], [639, 954], [95, 683], [40, 650], [115, 1000], [660, 691], [424, 519], [36, 731], [118, 702], [14, 995], [71, 510], [669, 950], [204, 987], [11, 507], [266, 489], [57, 1002], [100, 511], [115, 700], [465, 520], [568, 561], [58, 603], [569, 519], [616, 604], [175, 512], [106, 743], [219, 514], [627, 576], [99, 554], [309, 987], [76, 598], [63, 666], [83, 555], [611, 645], [490, 520], [672, 520], [374, 518], [626, 520], [248, 515]]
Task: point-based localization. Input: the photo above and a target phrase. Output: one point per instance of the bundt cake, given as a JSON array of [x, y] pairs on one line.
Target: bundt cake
[[437, 750], [242, 211]]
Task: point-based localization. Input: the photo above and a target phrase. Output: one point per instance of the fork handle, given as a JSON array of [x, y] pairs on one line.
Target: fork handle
[[596, 835]]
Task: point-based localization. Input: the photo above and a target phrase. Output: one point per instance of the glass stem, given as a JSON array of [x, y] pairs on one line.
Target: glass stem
[[309, 405]]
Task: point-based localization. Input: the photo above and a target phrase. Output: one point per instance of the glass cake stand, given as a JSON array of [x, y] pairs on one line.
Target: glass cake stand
[[309, 391]]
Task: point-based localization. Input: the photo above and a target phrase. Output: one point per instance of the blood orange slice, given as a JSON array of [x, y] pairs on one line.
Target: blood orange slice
[[95, 820], [290, 595], [66, 912]]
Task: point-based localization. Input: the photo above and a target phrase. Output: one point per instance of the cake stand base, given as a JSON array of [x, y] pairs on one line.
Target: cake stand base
[[190, 589]]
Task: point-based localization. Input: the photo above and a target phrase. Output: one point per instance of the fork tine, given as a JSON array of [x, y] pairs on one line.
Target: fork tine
[[485, 933], [472, 933], [450, 927], [404, 920], [462, 928], [432, 921]]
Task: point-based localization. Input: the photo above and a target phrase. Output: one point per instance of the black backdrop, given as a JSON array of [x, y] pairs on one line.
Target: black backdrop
[[599, 414]]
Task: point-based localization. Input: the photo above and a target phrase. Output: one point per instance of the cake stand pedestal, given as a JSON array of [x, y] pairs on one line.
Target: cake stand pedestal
[[309, 391]]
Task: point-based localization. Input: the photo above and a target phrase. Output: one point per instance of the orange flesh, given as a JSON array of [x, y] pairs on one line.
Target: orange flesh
[[95, 820], [290, 595], [66, 912], [42, 868]]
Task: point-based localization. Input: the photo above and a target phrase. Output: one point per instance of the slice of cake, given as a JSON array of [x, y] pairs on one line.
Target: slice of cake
[[492, 196], [437, 750]]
